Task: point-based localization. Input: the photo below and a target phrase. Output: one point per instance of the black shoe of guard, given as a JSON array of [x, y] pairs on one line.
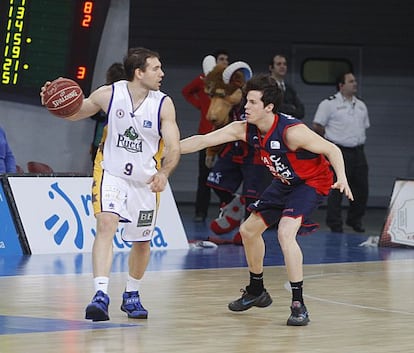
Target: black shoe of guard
[[299, 315], [246, 301]]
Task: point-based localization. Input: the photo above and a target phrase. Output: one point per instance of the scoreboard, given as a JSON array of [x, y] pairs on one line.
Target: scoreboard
[[41, 40]]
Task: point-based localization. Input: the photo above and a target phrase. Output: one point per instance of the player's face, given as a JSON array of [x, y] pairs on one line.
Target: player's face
[[152, 76], [254, 107]]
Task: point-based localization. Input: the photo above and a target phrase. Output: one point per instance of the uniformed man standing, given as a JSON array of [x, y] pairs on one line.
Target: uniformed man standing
[[343, 120]]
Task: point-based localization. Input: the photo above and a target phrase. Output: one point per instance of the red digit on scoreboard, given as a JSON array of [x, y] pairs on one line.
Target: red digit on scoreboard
[[81, 72], [87, 14]]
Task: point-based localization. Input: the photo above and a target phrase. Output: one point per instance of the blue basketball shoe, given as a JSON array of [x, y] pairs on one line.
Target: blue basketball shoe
[[131, 304], [97, 310]]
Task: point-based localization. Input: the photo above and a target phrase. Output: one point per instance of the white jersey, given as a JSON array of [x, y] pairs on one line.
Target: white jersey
[[133, 138]]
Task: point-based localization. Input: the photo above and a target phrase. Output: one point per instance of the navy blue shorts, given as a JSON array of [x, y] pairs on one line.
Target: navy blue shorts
[[279, 200], [228, 175]]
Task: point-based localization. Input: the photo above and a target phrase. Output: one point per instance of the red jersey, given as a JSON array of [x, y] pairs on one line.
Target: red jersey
[[290, 167]]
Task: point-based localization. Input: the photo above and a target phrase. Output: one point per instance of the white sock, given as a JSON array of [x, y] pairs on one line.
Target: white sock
[[101, 283], [132, 284]]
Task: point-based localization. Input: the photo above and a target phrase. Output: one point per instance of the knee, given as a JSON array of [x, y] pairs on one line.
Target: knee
[[247, 231], [285, 237], [106, 225]]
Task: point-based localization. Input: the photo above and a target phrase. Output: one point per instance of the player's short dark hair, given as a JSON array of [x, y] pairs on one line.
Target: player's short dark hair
[[269, 87], [137, 59], [115, 73]]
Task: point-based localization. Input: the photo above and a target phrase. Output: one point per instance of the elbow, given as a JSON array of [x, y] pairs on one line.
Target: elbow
[[334, 153]]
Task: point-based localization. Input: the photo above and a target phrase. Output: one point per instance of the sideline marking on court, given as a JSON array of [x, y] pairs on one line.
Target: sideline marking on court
[[10, 325]]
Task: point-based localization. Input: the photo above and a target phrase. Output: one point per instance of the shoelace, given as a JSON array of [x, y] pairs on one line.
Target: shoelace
[[135, 303], [246, 293], [99, 298]]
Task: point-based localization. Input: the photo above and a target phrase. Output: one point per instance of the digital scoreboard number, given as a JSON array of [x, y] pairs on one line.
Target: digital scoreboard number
[[41, 40]]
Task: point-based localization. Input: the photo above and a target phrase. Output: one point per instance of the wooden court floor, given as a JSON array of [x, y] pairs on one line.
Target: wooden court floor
[[360, 299], [354, 307]]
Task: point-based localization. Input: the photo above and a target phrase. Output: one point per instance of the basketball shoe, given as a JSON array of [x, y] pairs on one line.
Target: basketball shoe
[[246, 301], [299, 315], [131, 304], [230, 216], [97, 310]]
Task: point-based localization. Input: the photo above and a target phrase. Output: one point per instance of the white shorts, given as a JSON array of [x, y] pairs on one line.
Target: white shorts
[[134, 202]]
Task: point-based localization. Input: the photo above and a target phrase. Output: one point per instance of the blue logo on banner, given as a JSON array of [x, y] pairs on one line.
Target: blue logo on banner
[[60, 232]]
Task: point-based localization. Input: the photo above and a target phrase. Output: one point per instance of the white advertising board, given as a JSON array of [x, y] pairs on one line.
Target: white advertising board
[[57, 216], [399, 224]]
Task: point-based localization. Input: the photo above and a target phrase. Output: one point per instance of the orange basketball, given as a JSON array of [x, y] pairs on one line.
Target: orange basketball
[[63, 97]]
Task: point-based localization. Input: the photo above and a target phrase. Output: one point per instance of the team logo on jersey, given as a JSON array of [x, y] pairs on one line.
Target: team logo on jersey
[[145, 218], [130, 141], [275, 145], [147, 124], [214, 177], [120, 113], [146, 233]]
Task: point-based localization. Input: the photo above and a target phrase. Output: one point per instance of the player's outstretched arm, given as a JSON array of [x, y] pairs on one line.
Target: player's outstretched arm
[[98, 100], [232, 132]]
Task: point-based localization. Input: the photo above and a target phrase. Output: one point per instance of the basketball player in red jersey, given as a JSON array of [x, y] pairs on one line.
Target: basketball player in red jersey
[[295, 155]]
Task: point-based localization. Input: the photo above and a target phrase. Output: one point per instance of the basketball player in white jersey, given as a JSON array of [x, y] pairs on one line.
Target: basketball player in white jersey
[[128, 174]]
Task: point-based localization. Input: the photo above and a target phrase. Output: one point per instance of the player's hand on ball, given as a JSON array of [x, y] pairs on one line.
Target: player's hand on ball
[[63, 97], [42, 92]]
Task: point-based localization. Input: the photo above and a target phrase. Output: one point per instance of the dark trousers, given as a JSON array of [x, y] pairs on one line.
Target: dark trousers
[[203, 191], [356, 168]]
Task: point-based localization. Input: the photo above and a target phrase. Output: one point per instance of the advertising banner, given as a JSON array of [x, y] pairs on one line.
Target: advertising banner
[[9, 237], [399, 225], [57, 216]]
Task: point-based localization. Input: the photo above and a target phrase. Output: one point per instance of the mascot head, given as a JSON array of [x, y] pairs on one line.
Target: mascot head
[[224, 86]]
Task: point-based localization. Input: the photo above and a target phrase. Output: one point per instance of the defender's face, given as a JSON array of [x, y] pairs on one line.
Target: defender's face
[[254, 107]]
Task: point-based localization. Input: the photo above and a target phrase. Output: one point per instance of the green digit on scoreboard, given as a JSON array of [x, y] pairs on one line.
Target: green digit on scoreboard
[[43, 39]]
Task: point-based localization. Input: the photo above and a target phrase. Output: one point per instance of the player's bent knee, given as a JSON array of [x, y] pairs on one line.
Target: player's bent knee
[[247, 231]]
